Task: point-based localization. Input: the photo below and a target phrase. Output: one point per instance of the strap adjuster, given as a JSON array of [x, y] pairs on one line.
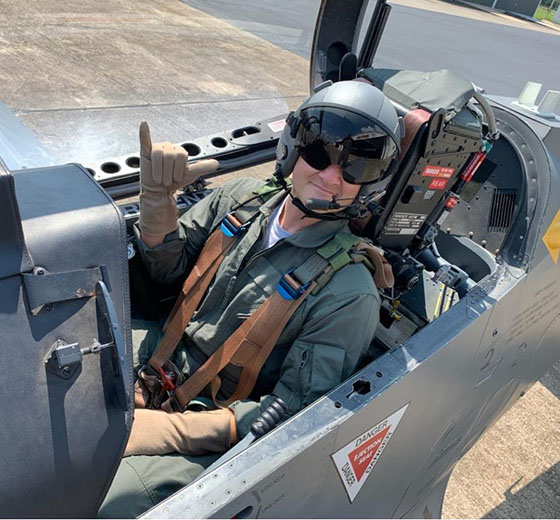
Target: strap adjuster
[[167, 383], [289, 288], [231, 226]]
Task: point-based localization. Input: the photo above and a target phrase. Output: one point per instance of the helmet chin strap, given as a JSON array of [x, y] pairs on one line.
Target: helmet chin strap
[[301, 206]]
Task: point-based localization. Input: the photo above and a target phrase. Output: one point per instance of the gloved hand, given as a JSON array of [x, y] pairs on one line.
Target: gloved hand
[[155, 432], [163, 170]]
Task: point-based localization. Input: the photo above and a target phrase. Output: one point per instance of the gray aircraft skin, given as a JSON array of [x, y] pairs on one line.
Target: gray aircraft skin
[[451, 359]]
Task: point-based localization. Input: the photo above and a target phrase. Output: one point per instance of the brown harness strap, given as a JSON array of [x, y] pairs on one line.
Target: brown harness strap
[[249, 346], [382, 270], [194, 288]]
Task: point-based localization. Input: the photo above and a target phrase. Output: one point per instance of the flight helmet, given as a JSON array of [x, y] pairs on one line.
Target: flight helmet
[[349, 123]]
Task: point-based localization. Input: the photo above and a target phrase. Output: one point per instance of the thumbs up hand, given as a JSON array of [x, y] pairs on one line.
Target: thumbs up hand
[[164, 169]]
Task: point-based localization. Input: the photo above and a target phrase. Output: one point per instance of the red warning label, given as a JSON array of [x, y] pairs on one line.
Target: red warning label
[[356, 461], [438, 171], [360, 457], [438, 184]]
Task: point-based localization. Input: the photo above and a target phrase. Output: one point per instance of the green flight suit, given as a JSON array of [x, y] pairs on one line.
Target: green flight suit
[[319, 348]]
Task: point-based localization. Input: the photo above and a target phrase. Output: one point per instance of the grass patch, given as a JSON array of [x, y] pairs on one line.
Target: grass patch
[[542, 13]]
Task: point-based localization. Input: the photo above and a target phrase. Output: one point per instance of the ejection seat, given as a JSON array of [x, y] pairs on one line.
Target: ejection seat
[[442, 130]]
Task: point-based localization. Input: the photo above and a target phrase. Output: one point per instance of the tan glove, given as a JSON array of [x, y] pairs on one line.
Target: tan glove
[[163, 170], [155, 432]]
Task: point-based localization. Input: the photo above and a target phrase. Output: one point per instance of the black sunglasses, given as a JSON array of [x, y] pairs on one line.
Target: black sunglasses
[[356, 169]]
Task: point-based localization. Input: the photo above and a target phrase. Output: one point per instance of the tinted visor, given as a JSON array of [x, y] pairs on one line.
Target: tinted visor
[[358, 145]]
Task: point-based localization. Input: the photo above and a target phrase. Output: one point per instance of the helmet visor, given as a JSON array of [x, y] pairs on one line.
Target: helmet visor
[[357, 144]]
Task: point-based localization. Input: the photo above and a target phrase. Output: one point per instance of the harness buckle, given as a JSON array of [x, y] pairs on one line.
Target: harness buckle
[[289, 288], [232, 226], [167, 382], [160, 383]]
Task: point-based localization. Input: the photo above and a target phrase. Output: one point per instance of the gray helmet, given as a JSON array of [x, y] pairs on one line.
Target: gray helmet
[[350, 123]]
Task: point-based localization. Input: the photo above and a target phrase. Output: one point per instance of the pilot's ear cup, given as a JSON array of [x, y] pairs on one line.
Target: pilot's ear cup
[[286, 152], [290, 162]]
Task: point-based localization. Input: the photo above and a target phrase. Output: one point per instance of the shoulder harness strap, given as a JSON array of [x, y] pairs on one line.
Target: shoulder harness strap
[[344, 249], [251, 344], [217, 246]]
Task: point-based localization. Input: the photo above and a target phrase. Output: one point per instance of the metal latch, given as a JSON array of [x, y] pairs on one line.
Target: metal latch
[[64, 359], [70, 353]]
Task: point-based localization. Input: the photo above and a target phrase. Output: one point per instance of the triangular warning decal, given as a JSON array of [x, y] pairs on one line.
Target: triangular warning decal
[[356, 460], [361, 456]]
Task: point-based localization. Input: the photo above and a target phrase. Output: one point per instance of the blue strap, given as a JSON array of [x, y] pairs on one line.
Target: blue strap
[[231, 226], [289, 287]]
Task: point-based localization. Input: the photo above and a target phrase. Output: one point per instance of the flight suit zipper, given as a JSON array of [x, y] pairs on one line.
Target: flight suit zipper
[[261, 253], [242, 269], [303, 361]]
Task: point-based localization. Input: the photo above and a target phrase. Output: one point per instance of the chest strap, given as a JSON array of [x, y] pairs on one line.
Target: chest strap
[[192, 292], [251, 344], [249, 347], [195, 286]]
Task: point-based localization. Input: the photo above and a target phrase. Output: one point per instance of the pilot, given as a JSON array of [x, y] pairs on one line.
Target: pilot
[[336, 151]]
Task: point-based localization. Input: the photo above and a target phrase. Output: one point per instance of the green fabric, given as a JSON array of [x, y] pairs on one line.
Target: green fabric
[[336, 250], [336, 253], [343, 316], [340, 243], [430, 90], [143, 481], [320, 347]]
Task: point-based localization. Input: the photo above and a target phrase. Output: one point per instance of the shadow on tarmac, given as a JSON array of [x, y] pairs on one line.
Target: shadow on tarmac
[[538, 499], [551, 380]]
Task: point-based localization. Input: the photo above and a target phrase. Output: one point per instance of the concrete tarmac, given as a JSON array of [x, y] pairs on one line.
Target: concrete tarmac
[[83, 75]]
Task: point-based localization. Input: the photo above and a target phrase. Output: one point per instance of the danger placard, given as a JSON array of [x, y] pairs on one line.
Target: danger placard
[[437, 171], [355, 461]]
